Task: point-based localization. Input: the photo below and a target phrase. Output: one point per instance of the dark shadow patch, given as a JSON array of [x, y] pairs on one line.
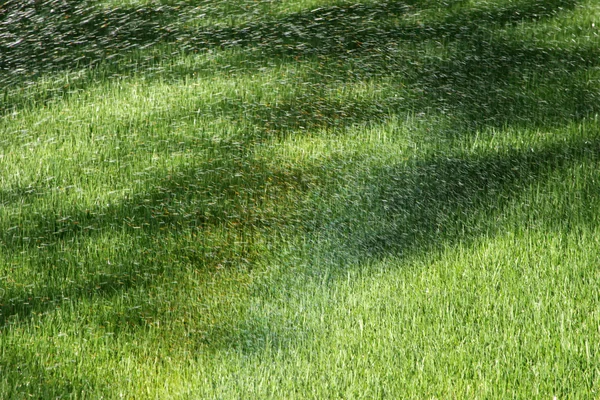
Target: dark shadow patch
[[43, 36], [417, 208], [27, 377], [234, 199]]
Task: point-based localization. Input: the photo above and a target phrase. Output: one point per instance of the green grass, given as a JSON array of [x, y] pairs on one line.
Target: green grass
[[300, 199]]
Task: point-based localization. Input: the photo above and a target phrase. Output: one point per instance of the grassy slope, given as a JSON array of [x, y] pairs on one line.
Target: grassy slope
[[360, 201]]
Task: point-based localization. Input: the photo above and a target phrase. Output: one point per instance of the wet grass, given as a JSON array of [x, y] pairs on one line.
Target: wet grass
[[299, 199]]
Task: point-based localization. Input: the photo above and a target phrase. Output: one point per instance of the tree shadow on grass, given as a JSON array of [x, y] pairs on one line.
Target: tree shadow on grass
[[58, 35], [102, 39], [341, 31], [420, 206], [416, 208], [27, 377], [484, 78], [454, 83], [445, 200], [54, 35], [223, 209], [508, 84], [477, 75]]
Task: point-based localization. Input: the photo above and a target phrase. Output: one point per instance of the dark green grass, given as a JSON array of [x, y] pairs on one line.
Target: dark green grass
[[299, 199]]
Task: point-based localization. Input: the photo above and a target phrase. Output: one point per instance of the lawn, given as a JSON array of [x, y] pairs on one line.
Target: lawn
[[299, 199]]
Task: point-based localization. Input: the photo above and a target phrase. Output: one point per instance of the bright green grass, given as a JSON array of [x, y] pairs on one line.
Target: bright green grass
[[308, 199]]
